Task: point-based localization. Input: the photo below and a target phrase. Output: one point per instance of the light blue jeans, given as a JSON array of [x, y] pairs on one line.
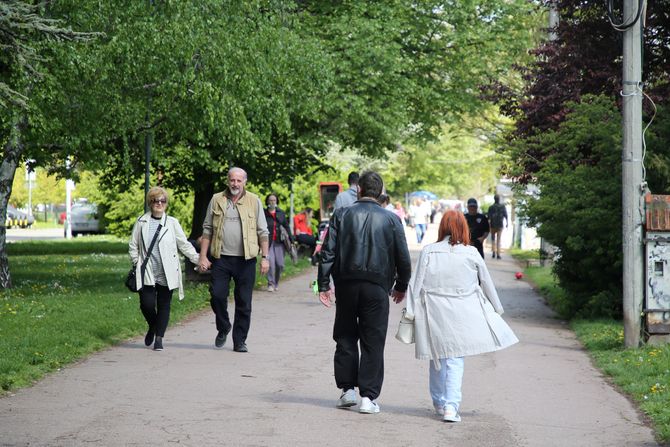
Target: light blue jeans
[[445, 384], [420, 232]]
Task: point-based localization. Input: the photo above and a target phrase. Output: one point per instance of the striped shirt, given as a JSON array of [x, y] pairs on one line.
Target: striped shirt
[[155, 256]]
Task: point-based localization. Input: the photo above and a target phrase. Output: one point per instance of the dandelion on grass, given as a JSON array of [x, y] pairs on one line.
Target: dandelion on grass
[[658, 388]]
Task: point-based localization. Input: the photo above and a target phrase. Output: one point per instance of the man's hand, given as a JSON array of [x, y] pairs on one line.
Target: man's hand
[[326, 298], [204, 264], [397, 296], [265, 266]]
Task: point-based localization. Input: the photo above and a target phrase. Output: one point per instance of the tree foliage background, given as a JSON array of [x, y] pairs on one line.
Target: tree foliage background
[[268, 85], [567, 143]]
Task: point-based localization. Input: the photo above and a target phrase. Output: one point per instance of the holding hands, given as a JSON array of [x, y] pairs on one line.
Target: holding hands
[[204, 263]]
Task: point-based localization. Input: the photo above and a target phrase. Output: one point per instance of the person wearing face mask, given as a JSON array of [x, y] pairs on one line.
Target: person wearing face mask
[[162, 273], [278, 231], [234, 233]]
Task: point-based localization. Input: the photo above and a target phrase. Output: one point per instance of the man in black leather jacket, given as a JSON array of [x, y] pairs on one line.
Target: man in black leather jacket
[[365, 252]]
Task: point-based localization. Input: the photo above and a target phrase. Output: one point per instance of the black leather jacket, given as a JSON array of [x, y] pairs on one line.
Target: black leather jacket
[[365, 242]]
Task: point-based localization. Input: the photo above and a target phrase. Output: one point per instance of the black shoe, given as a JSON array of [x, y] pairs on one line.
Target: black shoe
[[240, 348], [149, 338], [499, 257], [158, 344], [220, 339], [493, 255]]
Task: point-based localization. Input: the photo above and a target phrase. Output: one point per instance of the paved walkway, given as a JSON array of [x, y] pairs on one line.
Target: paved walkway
[[542, 392]]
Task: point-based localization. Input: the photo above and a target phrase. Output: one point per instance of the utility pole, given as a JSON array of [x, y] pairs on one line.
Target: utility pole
[[633, 186]]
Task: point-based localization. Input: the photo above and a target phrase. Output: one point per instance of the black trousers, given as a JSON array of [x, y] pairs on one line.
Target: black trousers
[[243, 274], [306, 239], [155, 306], [478, 245], [361, 314]]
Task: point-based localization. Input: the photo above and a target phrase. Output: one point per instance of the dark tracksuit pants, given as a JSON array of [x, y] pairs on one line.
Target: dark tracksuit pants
[[361, 314], [155, 306], [243, 274]]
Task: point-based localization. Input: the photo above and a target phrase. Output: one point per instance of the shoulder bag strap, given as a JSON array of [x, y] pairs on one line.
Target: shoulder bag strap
[[151, 246]]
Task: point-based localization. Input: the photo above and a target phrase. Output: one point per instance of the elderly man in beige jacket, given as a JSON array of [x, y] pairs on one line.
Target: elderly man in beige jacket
[[234, 233]]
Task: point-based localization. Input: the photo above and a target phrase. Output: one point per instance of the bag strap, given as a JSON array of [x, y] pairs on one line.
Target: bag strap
[[151, 246]]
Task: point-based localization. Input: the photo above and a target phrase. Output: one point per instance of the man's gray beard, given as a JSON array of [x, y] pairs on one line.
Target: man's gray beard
[[235, 191]]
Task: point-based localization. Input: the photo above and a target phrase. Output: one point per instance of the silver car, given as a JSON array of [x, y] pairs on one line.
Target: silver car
[[84, 219]]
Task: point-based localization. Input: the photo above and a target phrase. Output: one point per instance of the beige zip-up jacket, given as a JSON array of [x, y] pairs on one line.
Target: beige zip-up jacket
[[171, 240]]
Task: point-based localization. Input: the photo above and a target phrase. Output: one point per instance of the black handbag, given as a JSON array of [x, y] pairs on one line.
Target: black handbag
[[131, 279]]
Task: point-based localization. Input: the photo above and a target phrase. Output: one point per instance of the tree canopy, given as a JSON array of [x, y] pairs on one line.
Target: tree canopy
[[268, 85]]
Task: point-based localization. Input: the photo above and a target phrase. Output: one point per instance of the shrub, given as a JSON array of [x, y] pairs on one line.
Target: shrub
[[579, 206]]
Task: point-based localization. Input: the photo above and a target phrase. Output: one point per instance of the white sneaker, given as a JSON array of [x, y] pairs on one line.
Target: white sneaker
[[347, 399], [450, 414], [271, 289], [368, 406]]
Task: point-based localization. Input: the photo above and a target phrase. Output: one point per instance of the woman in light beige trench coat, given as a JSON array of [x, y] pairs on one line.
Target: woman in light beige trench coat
[[456, 311], [163, 272]]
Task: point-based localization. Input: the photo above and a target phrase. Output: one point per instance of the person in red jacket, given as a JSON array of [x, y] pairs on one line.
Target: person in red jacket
[[302, 228]]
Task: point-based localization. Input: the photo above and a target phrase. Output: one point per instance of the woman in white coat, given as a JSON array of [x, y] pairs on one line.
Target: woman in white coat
[[163, 271], [456, 311]]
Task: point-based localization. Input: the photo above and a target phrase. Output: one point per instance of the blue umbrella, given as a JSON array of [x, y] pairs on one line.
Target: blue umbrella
[[425, 194]]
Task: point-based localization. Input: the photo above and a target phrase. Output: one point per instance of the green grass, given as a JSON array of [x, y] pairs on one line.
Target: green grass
[[69, 300], [643, 374], [525, 255], [42, 225], [78, 246]]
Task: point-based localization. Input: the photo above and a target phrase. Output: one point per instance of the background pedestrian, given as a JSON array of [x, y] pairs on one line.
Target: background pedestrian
[[478, 225], [278, 230], [497, 215]]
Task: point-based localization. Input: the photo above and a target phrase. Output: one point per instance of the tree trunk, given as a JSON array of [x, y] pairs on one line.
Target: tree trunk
[[203, 194], [10, 161]]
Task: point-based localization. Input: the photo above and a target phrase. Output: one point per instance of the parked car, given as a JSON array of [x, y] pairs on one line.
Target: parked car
[[84, 219], [16, 218]]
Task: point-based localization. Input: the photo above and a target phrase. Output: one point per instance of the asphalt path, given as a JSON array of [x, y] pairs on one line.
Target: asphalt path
[[543, 391]]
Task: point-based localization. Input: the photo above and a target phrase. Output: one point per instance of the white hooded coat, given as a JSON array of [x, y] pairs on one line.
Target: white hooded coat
[[454, 304]]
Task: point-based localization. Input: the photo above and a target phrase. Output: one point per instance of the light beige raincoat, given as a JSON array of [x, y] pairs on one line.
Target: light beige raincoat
[[455, 305]]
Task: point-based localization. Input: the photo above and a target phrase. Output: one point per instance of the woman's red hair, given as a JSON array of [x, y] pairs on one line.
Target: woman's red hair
[[453, 224]]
